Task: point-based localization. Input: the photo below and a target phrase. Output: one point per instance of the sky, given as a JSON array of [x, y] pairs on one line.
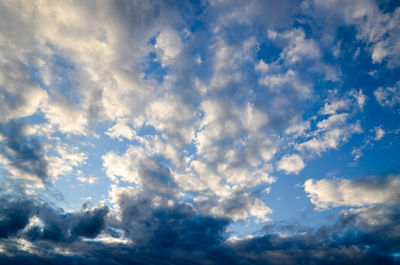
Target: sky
[[200, 132]]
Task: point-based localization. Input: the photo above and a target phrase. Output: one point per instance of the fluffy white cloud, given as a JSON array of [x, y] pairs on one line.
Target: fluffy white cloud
[[291, 164], [379, 133], [240, 206], [388, 96], [299, 47], [121, 129], [228, 61], [168, 45], [326, 193], [171, 116], [66, 159], [68, 118]]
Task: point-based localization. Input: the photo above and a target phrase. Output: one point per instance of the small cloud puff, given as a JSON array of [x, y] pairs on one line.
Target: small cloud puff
[[291, 164]]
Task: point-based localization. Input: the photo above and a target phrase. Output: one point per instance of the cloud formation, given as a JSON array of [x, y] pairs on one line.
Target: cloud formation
[[188, 127], [177, 235], [326, 193]]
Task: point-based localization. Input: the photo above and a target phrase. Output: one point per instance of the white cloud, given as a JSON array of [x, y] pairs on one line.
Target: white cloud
[[334, 106], [137, 165], [240, 206], [331, 139], [174, 118], [291, 164], [68, 118], [332, 121], [290, 78], [19, 96], [379, 133], [90, 179], [66, 161], [388, 96], [121, 129], [379, 53], [119, 166], [326, 193], [337, 128], [168, 45], [299, 48], [377, 28], [297, 128], [228, 61], [360, 97]]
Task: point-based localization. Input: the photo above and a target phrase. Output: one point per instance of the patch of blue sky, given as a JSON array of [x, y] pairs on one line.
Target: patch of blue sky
[[63, 78], [268, 52], [153, 69], [36, 77]]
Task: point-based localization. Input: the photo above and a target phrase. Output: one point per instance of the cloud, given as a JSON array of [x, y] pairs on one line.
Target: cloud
[[177, 235], [121, 129], [342, 243], [14, 215], [27, 217], [169, 45], [379, 133], [334, 126], [202, 99], [388, 96], [23, 156], [67, 117], [90, 179], [377, 28], [291, 164], [58, 227], [140, 167], [326, 193], [299, 47]]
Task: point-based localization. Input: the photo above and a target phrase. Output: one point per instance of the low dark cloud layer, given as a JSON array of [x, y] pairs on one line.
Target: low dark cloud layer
[[178, 235], [14, 215]]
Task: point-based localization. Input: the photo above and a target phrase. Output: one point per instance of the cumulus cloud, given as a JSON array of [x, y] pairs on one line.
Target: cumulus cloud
[[291, 164], [68, 118], [169, 45], [299, 47], [326, 193], [207, 102], [121, 129]]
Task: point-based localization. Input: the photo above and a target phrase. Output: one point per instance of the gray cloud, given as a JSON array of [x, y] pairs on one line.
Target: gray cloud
[[23, 155]]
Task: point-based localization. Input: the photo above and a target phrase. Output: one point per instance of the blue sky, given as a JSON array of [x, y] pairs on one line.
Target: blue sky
[[220, 131]]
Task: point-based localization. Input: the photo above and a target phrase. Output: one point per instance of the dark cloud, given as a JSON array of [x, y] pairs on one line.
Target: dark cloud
[[176, 234], [60, 227], [55, 226], [14, 215], [351, 240], [24, 153]]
